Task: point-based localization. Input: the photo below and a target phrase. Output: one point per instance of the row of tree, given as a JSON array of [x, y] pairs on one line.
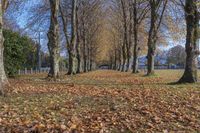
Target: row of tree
[[144, 24], [83, 19], [73, 25]]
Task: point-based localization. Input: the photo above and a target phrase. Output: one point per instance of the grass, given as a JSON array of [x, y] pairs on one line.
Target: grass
[[101, 101]]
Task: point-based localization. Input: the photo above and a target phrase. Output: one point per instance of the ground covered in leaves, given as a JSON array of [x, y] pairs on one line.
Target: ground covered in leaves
[[101, 101]]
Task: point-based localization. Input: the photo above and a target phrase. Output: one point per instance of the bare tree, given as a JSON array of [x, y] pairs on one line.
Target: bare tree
[[89, 17], [53, 36], [140, 10], [72, 40], [157, 8], [191, 46], [3, 78]]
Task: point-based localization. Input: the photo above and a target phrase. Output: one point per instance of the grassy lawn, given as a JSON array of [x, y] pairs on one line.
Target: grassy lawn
[[101, 101]]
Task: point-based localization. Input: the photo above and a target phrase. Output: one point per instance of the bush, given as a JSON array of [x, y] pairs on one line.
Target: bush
[[17, 51]]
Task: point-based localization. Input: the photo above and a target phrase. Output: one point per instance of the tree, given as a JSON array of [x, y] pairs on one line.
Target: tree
[[53, 36], [122, 24], [78, 46], [74, 44], [88, 33], [139, 15], [72, 47], [128, 25], [191, 45], [157, 8], [72, 40], [176, 55], [125, 48], [3, 78], [19, 52]]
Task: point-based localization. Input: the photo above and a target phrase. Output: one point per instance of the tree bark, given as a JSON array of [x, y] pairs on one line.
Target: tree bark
[[120, 60], [73, 43], [156, 20], [115, 60], [53, 36], [135, 31], [78, 44], [150, 59], [84, 53], [3, 77], [88, 56], [78, 59], [192, 21], [125, 38], [151, 42], [123, 58], [135, 53]]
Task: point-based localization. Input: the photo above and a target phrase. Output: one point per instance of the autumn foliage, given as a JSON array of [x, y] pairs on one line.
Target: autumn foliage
[[101, 101]]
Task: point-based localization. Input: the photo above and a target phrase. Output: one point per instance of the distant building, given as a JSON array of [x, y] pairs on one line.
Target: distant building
[[104, 67]]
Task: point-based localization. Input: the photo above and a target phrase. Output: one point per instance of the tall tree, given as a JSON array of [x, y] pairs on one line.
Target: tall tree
[[157, 8], [53, 36], [72, 40], [78, 46], [89, 22], [140, 10], [191, 46], [125, 36], [73, 43], [3, 78]]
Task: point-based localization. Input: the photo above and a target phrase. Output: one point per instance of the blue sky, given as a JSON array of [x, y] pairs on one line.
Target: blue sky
[[21, 17]]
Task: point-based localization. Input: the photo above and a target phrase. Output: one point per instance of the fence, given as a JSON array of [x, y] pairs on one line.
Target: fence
[[162, 67], [33, 71]]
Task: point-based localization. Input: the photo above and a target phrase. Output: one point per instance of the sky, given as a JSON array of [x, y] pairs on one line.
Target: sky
[[22, 16]]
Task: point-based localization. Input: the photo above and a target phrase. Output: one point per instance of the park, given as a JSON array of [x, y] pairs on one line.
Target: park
[[99, 66]]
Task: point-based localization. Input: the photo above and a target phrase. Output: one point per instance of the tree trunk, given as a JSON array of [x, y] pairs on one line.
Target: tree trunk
[[53, 36], [78, 45], [123, 58], [150, 60], [125, 40], [2, 72], [135, 55], [91, 64], [84, 58], [78, 60], [88, 57], [70, 62], [156, 18], [115, 61], [73, 43], [3, 77], [127, 63], [135, 30], [120, 61], [152, 40], [192, 21]]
